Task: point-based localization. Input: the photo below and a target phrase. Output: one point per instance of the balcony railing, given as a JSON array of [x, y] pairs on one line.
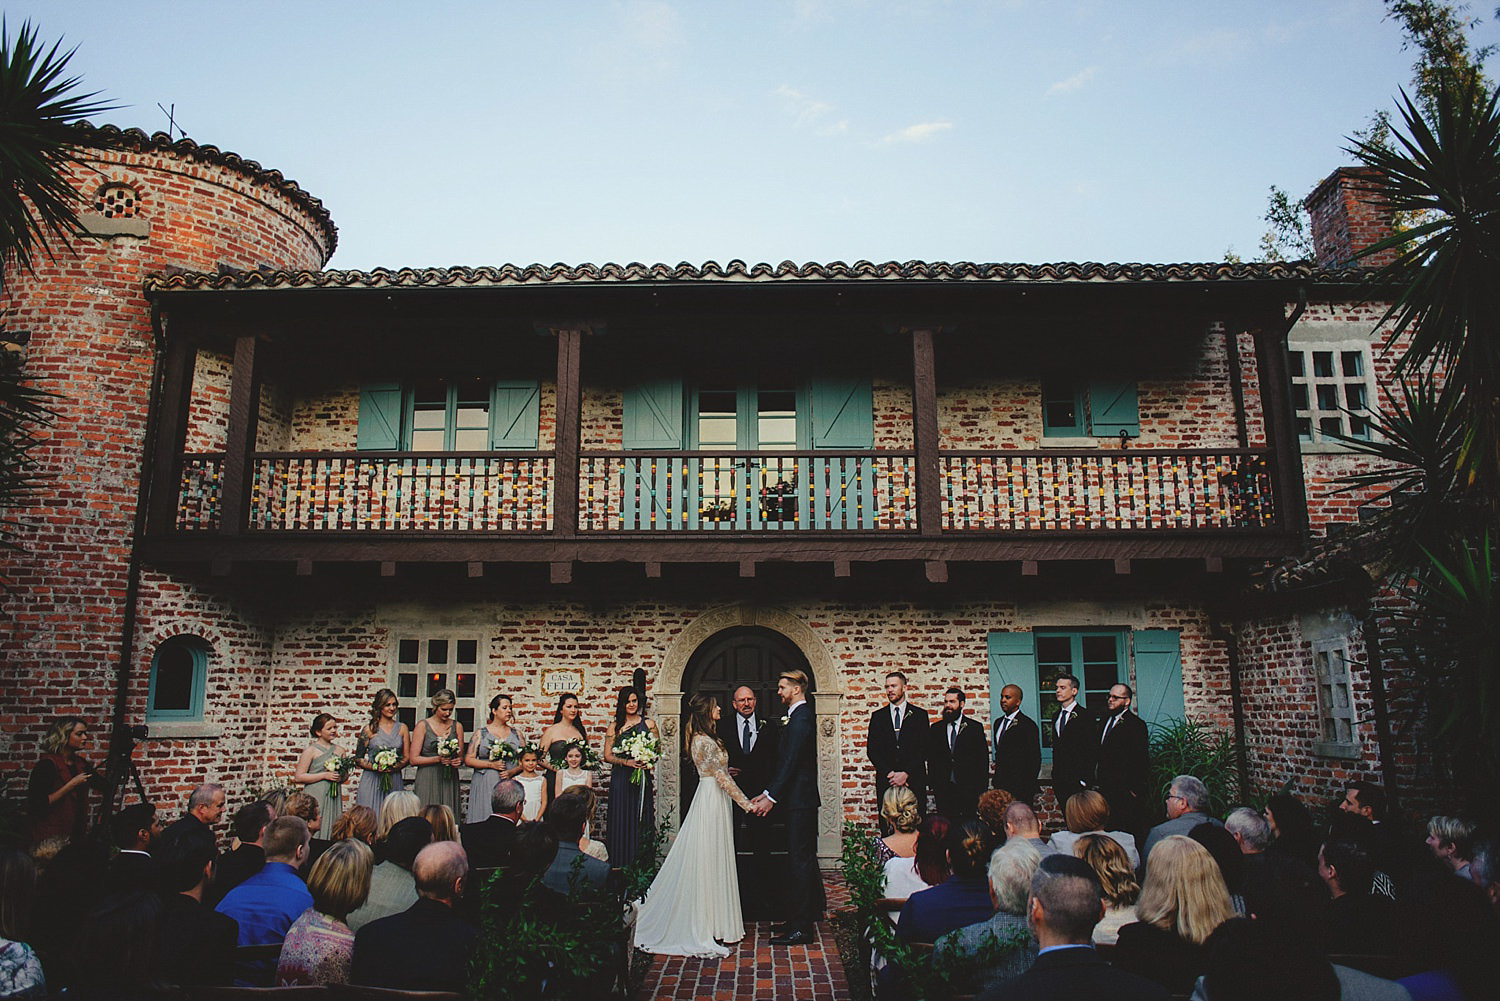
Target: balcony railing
[[1126, 490], [994, 492]]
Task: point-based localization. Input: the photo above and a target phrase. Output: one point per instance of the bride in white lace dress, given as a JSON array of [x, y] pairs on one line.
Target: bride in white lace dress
[[693, 905]]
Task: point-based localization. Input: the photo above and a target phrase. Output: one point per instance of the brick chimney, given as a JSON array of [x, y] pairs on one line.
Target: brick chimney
[[1347, 217]]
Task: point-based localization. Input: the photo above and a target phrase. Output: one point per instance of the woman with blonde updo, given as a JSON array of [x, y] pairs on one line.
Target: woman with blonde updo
[[1183, 901], [384, 732], [397, 807], [357, 822], [1116, 880], [437, 749], [898, 808]]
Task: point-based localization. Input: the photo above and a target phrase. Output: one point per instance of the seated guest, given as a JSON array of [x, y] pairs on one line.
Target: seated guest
[[1087, 812], [197, 943], [1064, 907], [1182, 901], [1447, 934], [592, 847], [266, 904], [71, 885], [1358, 921], [135, 830], [488, 843], [1452, 842], [396, 807], [392, 887], [520, 884], [1277, 888], [427, 946], [567, 816], [899, 815], [21, 975], [1116, 881], [1485, 870], [1003, 944], [439, 817], [114, 950], [249, 824], [1293, 834], [357, 822], [319, 945], [1252, 961], [992, 806], [305, 805], [961, 899], [1021, 822], [1228, 857], [928, 865], [205, 808], [1187, 807]]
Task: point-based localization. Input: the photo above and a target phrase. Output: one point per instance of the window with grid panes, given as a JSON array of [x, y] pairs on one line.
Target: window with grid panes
[[1330, 390], [427, 665], [1095, 657], [450, 415], [1335, 693]]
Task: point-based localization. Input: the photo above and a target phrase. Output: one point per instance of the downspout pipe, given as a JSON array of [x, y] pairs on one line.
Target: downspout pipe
[[1383, 738], [1227, 632], [121, 741]]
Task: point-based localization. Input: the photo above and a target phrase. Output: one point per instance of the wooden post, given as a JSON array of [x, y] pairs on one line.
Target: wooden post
[[925, 433], [569, 433], [244, 412], [1280, 422], [165, 486]]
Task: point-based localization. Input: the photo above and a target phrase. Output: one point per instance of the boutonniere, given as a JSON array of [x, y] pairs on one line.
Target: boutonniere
[[786, 719]]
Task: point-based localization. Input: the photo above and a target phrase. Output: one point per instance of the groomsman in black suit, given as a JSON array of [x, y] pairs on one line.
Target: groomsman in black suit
[[897, 743], [1018, 748], [752, 756], [1075, 742], [1124, 762], [958, 759]]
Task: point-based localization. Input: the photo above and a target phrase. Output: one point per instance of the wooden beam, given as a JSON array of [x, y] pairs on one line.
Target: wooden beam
[[1280, 421], [841, 568], [1122, 567], [244, 411], [747, 568], [1213, 564], [220, 566], [476, 569], [562, 573], [653, 570], [304, 567], [1028, 568], [925, 430], [568, 434], [937, 571], [165, 470], [388, 568]]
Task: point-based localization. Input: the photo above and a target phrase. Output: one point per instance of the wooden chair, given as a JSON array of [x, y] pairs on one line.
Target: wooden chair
[[351, 992], [257, 963], [302, 993], [1385, 967]]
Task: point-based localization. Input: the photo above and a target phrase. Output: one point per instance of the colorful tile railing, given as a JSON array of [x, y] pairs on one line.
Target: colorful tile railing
[[198, 499]]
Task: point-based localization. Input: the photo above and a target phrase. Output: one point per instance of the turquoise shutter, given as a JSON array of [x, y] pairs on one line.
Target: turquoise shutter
[[515, 415], [379, 417], [651, 414], [1013, 662], [842, 489], [1158, 674], [1114, 408]]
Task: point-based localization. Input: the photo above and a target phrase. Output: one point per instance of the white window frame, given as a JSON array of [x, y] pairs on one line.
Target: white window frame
[[1305, 345], [420, 702], [1334, 679]]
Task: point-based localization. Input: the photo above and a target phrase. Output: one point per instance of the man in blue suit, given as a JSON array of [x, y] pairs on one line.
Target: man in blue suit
[[794, 789]]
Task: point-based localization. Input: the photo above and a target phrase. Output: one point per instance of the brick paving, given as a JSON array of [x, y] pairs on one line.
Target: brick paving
[[756, 969]]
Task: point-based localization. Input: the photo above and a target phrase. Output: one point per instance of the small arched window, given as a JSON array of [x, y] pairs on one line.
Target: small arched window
[[179, 671]]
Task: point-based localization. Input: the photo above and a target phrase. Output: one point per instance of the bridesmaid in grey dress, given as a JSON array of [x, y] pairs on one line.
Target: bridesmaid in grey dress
[[383, 732], [487, 773], [317, 779], [437, 776]]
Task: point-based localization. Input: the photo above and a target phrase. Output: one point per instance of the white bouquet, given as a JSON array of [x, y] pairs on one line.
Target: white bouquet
[[340, 763], [449, 748], [642, 746], [504, 750], [385, 763]]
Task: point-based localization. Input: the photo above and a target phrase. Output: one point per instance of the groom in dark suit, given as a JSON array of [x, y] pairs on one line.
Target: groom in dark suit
[[794, 788]]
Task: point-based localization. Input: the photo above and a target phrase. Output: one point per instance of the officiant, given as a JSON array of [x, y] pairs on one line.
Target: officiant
[[752, 758]]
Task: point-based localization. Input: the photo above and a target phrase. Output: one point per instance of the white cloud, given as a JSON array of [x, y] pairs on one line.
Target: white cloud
[[805, 109], [919, 133], [651, 24], [1074, 82]]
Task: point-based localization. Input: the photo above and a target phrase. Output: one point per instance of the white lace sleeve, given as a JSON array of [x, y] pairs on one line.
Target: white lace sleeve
[[708, 759]]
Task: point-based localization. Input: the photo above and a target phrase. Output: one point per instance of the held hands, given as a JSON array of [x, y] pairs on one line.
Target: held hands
[[760, 805]]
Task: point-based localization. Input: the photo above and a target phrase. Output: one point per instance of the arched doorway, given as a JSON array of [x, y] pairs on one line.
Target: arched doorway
[[742, 655]]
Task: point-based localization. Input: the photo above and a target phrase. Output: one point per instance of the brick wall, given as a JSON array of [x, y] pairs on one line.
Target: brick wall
[[91, 343]]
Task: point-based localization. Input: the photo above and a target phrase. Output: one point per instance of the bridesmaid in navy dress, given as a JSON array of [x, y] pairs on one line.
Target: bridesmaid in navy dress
[[631, 807]]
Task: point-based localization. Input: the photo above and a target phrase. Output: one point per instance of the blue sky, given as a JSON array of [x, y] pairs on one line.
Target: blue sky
[[444, 133]]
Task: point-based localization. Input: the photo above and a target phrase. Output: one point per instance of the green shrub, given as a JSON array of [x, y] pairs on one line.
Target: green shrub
[[1197, 748]]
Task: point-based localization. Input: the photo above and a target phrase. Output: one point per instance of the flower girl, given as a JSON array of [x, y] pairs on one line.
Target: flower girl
[[534, 782]]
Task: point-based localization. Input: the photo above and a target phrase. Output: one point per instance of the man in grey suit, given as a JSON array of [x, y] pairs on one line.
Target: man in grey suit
[[1187, 807], [392, 887], [567, 816]]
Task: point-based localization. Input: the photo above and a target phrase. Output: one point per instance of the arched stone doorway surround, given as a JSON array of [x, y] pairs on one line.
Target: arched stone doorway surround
[[828, 704]]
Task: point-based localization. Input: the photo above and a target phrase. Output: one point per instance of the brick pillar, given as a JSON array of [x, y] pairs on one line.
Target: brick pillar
[[1347, 217]]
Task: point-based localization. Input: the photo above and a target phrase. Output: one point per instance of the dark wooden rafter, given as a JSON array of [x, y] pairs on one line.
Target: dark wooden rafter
[[1270, 332], [569, 431], [244, 412], [166, 463], [925, 431]]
